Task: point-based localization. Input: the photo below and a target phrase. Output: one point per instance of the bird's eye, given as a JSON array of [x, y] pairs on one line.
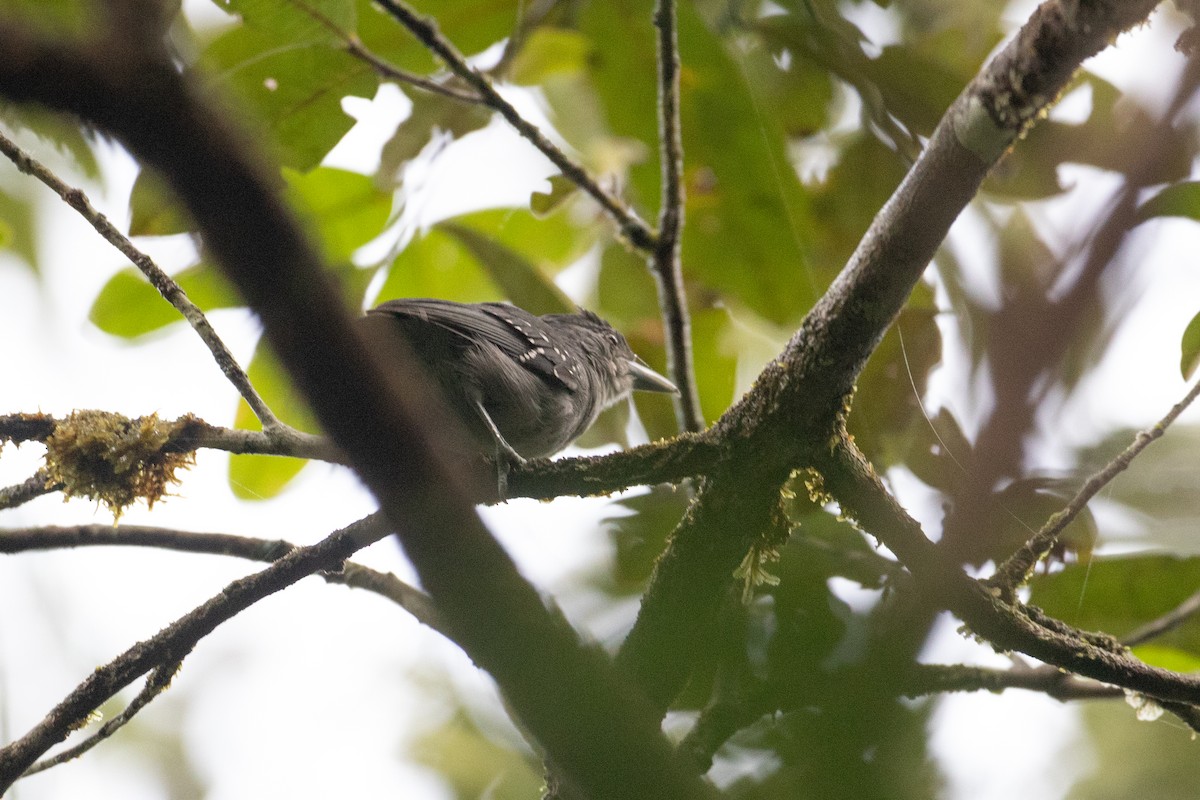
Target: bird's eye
[[612, 337]]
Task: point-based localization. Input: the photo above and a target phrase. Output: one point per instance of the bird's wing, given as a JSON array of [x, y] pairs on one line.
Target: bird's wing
[[515, 332]]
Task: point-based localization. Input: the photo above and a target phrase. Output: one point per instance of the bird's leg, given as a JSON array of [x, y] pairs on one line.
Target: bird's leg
[[506, 456]]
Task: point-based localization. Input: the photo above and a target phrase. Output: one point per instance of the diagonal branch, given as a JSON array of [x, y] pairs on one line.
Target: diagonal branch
[[374, 405], [166, 286], [790, 416], [667, 267], [1007, 626], [1014, 571], [426, 31]]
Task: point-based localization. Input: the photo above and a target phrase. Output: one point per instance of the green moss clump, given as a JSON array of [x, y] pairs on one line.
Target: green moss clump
[[115, 460]]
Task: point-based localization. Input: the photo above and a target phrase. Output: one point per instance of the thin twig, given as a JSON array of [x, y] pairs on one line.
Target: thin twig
[[356, 48], [1019, 565], [157, 682], [426, 31], [1167, 622], [166, 286], [31, 488], [411, 599], [666, 259]]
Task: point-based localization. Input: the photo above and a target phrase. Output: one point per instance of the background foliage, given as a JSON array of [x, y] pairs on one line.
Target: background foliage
[[799, 120]]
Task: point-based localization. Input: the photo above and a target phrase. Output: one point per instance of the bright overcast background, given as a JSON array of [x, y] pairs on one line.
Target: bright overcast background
[[243, 711]]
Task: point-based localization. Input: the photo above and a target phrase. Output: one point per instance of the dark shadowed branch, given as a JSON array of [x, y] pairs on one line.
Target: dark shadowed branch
[[373, 404]]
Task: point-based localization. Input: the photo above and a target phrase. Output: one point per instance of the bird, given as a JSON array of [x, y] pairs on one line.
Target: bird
[[525, 386]]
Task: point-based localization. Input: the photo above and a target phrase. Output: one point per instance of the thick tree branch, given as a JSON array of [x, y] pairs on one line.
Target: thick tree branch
[[373, 404], [790, 416], [662, 462], [1010, 627]]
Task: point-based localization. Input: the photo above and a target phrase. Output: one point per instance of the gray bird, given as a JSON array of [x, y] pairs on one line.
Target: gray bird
[[525, 386]]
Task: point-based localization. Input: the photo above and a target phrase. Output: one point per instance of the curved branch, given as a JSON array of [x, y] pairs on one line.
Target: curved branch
[[176, 640], [852, 481], [790, 417], [411, 599]]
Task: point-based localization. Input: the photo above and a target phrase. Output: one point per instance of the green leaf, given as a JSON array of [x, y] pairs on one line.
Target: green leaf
[[1117, 594], [346, 208], [1190, 349], [257, 477], [548, 52], [18, 234], [128, 306], [747, 215], [1178, 200], [518, 278], [434, 264], [544, 203], [293, 88], [153, 209], [291, 21]]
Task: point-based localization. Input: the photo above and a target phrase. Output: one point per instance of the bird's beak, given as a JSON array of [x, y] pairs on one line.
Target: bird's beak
[[647, 380]]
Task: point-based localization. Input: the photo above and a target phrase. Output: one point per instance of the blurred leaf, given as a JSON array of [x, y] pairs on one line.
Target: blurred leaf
[[1177, 200], [346, 208], [518, 279], [887, 409], [477, 765], [65, 134], [1166, 657], [639, 528], [745, 206], [1117, 594], [292, 21], [255, 477], [1129, 758], [1190, 349], [561, 190], [294, 89], [1158, 490], [153, 210], [17, 228], [434, 264], [547, 52], [128, 306]]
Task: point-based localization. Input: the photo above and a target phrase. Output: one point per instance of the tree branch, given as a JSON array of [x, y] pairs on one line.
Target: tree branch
[[790, 416], [374, 405], [175, 641], [156, 683], [1017, 568], [425, 30], [1007, 626], [665, 260], [166, 286], [411, 599]]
